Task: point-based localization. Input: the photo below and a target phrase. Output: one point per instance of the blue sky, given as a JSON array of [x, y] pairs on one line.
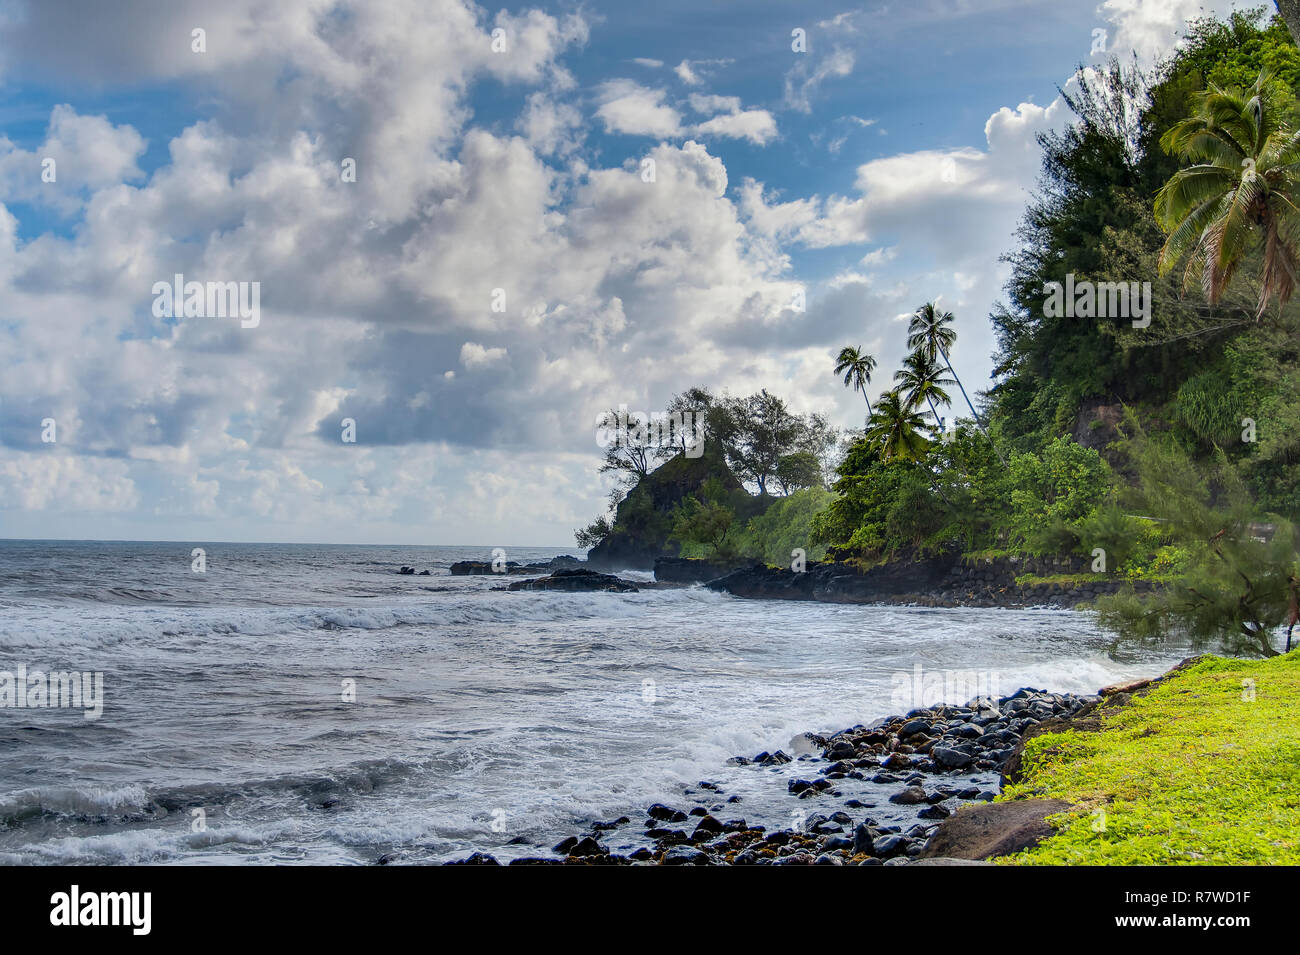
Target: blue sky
[[885, 166]]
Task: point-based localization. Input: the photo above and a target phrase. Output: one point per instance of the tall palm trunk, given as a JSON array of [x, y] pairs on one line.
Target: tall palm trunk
[[978, 420], [938, 424], [934, 485], [1290, 10]]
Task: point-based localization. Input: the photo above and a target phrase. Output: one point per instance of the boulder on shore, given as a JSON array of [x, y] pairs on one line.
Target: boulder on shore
[[993, 829]]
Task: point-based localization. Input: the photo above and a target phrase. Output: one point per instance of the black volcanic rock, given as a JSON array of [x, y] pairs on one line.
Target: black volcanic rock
[[839, 583], [577, 581], [693, 570], [467, 568]]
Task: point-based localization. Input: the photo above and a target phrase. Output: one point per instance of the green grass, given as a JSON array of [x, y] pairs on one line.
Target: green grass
[[1191, 773], [1065, 580]]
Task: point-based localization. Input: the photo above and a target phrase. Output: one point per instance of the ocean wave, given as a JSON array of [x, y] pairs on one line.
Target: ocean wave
[[81, 802], [67, 627]]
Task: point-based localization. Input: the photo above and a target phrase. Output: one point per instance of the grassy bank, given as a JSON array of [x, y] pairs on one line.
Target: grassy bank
[[1203, 769]]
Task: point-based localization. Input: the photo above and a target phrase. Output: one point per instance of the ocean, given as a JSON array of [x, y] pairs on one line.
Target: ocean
[[309, 704]]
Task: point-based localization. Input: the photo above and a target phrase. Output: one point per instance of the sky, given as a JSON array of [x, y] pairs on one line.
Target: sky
[[473, 228]]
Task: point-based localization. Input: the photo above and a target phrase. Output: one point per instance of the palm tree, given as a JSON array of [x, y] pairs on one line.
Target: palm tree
[[895, 429], [930, 331], [1244, 185], [856, 366], [921, 377]]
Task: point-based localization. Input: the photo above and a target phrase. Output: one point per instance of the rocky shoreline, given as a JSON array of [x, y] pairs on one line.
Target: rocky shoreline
[[945, 581], [929, 761], [1008, 582], [884, 794]]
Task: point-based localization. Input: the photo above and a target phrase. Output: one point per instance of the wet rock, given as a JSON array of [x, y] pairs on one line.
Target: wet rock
[[685, 855], [801, 786], [913, 727], [707, 828], [478, 858], [692, 570], [863, 840], [571, 581], [564, 845], [909, 796], [588, 847], [889, 846], [665, 813], [841, 749], [668, 837], [950, 757]]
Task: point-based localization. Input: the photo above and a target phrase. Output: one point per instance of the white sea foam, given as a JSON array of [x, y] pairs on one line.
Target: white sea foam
[[479, 716]]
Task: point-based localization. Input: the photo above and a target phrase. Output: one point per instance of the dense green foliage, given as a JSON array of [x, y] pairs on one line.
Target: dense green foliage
[[1200, 368], [1203, 146], [772, 536], [960, 497], [1236, 576]]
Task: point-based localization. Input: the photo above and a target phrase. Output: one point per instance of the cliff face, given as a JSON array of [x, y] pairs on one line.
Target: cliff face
[[643, 520]]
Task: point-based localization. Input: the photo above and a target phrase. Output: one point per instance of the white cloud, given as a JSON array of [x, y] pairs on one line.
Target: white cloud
[[35, 482], [628, 107], [695, 72], [802, 81], [619, 290], [473, 355], [1151, 29], [551, 127], [756, 125], [88, 153]]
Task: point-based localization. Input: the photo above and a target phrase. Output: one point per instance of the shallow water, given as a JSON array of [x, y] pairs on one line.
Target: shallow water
[[480, 716]]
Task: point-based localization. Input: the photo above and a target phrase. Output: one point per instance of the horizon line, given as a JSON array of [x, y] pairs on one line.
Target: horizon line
[[194, 540]]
